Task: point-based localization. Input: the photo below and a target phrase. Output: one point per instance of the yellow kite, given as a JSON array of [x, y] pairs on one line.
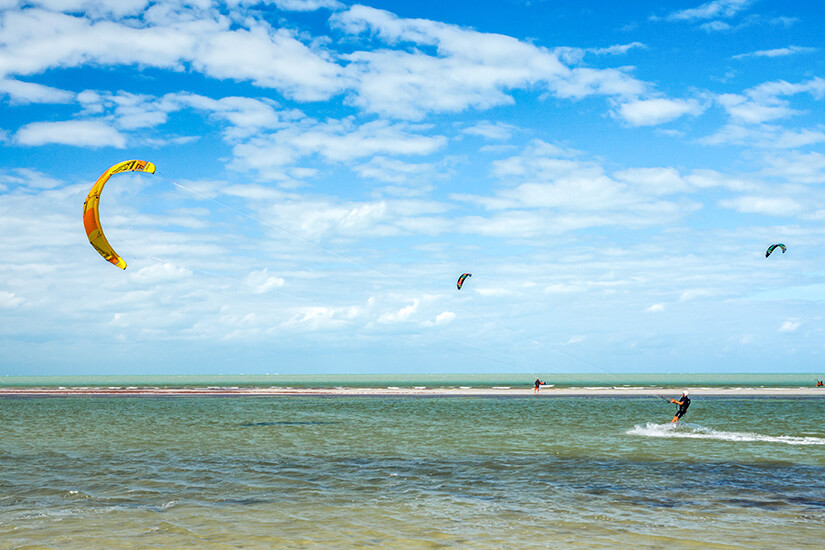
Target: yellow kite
[[91, 218]]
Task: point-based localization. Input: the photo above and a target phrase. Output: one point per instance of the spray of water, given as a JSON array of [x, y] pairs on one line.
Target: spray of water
[[695, 431]]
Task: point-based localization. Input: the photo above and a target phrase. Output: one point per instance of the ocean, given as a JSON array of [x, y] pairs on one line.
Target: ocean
[[585, 380], [411, 472]]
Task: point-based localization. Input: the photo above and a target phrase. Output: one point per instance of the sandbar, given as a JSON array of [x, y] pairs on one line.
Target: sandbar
[[418, 391]]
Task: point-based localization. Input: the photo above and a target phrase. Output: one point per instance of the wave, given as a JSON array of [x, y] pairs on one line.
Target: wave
[[694, 431]]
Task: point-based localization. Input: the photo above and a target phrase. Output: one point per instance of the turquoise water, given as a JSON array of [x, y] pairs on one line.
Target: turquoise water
[[677, 380], [421, 472]]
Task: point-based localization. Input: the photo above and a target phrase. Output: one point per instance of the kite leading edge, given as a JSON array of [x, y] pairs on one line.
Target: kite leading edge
[[91, 216]]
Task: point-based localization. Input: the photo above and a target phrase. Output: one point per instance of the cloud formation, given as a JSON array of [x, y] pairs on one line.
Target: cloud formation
[[651, 112], [710, 10], [326, 170], [83, 133]]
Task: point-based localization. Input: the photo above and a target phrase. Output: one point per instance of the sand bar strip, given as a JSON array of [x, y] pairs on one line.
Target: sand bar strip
[[407, 392]]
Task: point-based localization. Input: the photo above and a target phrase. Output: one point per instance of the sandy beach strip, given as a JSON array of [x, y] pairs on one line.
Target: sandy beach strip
[[464, 391]]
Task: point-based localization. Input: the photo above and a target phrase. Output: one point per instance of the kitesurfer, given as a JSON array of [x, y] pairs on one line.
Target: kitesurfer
[[684, 403]]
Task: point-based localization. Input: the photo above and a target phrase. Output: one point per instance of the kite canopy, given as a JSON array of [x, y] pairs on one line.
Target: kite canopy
[[773, 247], [91, 217], [460, 282]]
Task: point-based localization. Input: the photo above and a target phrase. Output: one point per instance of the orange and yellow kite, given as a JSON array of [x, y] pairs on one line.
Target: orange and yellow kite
[[91, 217]]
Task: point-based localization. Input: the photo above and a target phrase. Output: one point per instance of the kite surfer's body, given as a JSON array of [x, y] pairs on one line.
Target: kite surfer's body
[[683, 403]]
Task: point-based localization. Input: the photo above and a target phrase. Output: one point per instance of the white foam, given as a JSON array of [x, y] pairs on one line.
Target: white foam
[[694, 431]]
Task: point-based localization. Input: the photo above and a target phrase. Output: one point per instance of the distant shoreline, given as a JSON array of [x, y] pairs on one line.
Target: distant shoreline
[[403, 392]]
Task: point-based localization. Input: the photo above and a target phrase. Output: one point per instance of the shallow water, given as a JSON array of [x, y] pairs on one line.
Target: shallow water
[[463, 472], [485, 380]]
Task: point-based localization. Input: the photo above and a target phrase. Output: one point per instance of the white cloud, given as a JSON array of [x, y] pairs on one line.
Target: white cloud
[[806, 168], [244, 116], [30, 92], [270, 59], [650, 112], [470, 69], [442, 318], [489, 130], [714, 26], [39, 40], [654, 181], [710, 10], [247, 115], [772, 89], [319, 218], [323, 318], [250, 191], [655, 308], [119, 320], [548, 190], [553, 178], [789, 326], [25, 177], [410, 85], [704, 179], [401, 315], [262, 282], [764, 136], [335, 141], [619, 49], [291, 5], [78, 133], [767, 101], [752, 112], [772, 206], [8, 300], [574, 56], [95, 8], [392, 170], [581, 82], [160, 273], [695, 293], [564, 288], [777, 52]]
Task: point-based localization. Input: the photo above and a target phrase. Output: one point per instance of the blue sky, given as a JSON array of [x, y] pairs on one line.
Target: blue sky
[[610, 173]]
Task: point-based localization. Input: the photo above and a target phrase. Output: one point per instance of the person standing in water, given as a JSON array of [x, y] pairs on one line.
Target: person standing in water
[[538, 385], [683, 403]]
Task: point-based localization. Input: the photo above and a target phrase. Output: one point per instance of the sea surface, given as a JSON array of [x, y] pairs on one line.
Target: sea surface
[[604, 379], [410, 472]]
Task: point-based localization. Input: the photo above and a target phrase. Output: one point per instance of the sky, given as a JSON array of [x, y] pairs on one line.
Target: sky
[[610, 173]]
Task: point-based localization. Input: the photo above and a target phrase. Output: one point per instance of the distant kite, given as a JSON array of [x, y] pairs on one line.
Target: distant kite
[[460, 282], [91, 217], [773, 247]]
